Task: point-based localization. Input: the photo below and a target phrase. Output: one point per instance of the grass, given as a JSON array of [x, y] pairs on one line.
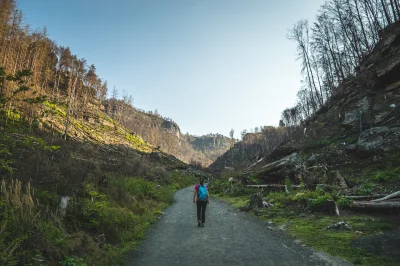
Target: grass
[[306, 224], [338, 243], [235, 201], [95, 131], [102, 222], [55, 108]]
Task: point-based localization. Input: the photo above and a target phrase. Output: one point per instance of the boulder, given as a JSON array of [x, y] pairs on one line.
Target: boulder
[[339, 226], [354, 110], [376, 141], [282, 151], [289, 166]]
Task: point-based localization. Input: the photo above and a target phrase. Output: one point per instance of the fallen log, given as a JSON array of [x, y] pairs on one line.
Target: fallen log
[[368, 197], [272, 185], [376, 205], [388, 196], [275, 187]]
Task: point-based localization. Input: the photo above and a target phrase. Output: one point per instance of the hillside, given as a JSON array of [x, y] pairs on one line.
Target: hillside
[[69, 198], [251, 149], [165, 133], [335, 168], [355, 128], [79, 178]]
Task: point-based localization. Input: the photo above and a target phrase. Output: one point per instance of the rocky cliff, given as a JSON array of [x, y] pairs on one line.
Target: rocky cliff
[[356, 132], [213, 145]]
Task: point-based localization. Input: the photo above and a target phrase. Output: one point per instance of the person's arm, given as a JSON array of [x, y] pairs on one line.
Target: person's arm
[[194, 194], [208, 194]]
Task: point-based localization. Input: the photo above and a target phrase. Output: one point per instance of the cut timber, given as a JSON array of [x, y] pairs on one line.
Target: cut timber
[[388, 196], [369, 197], [272, 185], [376, 205], [275, 187]]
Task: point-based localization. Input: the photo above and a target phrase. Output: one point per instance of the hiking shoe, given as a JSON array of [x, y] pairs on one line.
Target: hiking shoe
[[198, 223], [202, 225]]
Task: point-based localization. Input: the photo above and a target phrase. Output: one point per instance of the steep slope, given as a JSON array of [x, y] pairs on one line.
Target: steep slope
[[253, 147], [76, 184], [165, 133], [76, 188], [355, 133], [334, 183]]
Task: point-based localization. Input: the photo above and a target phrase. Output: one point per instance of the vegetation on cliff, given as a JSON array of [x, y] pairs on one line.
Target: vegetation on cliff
[[341, 152], [76, 184]]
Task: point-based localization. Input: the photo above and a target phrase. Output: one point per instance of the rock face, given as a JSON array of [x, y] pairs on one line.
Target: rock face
[[283, 150], [214, 145], [371, 97], [289, 166], [355, 110], [240, 155], [376, 141]]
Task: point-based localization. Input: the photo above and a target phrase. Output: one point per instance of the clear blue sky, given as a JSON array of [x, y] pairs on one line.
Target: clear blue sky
[[210, 65]]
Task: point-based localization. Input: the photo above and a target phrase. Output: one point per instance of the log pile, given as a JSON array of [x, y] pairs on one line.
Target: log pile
[[387, 202], [370, 202], [273, 187]]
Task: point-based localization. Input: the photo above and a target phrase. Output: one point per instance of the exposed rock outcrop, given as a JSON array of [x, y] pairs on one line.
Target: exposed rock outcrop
[[376, 141], [277, 171]]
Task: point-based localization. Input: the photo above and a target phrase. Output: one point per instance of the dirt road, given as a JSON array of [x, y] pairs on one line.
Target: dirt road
[[228, 238]]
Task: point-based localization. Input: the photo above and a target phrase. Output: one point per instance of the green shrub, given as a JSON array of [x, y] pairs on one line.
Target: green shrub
[[308, 194], [219, 186], [73, 261], [367, 188], [387, 175], [279, 199], [288, 184], [344, 202], [318, 202]]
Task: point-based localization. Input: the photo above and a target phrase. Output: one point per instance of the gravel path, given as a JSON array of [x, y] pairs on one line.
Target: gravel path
[[228, 238]]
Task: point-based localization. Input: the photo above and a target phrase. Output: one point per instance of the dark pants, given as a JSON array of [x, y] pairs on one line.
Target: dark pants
[[201, 210]]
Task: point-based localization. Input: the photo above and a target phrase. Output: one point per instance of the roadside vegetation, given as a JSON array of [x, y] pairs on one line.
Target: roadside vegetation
[[85, 198], [98, 227], [300, 212]]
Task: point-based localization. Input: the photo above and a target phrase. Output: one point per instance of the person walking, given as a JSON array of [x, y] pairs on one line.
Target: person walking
[[201, 198]]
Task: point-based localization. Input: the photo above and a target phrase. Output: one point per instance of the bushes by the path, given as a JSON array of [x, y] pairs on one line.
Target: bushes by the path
[[100, 222]]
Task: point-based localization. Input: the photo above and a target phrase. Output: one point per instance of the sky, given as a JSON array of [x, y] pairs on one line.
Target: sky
[[210, 65]]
